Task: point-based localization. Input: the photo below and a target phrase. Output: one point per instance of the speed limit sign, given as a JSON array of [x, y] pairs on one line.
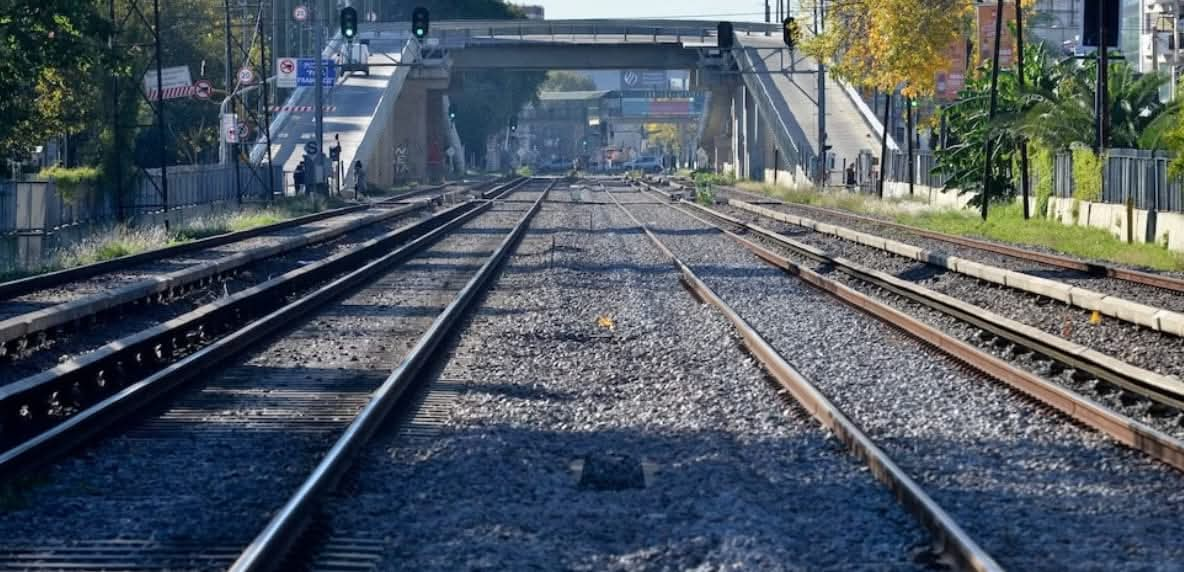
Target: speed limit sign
[[300, 13]]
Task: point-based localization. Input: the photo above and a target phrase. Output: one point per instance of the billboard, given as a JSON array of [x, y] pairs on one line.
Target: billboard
[[645, 79]]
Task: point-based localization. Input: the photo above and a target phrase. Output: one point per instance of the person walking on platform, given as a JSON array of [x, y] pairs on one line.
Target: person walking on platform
[[359, 180], [298, 178]]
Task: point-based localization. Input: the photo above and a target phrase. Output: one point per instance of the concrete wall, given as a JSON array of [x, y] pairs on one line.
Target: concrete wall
[[1169, 227]]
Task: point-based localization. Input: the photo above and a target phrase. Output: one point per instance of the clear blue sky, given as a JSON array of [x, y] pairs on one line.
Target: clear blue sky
[[737, 10]]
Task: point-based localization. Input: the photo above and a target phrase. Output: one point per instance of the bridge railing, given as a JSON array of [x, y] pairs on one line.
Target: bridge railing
[[657, 31], [795, 152]]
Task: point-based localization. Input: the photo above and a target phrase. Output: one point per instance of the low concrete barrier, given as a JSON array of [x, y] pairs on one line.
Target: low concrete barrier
[[1148, 316]]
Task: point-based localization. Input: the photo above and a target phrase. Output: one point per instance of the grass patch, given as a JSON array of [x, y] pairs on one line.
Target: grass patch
[[525, 171], [1005, 224], [120, 241]]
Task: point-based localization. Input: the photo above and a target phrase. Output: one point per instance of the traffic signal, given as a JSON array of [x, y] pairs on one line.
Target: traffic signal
[[452, 111], [349, 23], [723, 32], [514, 124], [420, 20], [790, 32]]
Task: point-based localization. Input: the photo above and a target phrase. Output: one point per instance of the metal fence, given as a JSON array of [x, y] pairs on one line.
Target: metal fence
[[1139, 175], [924, 163], [40, 208]]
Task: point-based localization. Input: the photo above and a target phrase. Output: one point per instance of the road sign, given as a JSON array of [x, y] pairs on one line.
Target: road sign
[[306, 71], [311, 148], [244, 132], [229, 128], [285, 72], [203, 89], [300, 13], [246, 75], [175, 82]]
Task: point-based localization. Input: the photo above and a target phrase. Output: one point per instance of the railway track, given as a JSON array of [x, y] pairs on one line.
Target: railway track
[[1122, 280], [548, 439], [1147, 405], [39, 312], [257, 427], [35, 407], [988, 456]]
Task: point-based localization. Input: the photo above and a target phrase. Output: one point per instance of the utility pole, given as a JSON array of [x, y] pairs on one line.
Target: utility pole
[[1101, 97], [224, 147], [160, 127], [908, 110], [884, 142], [1019, 39], [823, 175], [319, 30], [986, 198]]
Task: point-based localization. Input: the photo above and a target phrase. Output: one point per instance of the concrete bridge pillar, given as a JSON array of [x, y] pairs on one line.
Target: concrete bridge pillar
[[416, 136]]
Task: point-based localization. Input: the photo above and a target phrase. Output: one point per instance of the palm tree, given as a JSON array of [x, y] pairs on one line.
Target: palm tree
[[1060, 112]]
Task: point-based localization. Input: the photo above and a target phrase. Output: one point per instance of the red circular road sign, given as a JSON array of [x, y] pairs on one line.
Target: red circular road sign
[[203, 89], [300, 13], [287, 66]]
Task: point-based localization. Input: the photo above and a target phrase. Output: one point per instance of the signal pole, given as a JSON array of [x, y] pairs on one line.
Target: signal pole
[[319, 73], [822, 165]]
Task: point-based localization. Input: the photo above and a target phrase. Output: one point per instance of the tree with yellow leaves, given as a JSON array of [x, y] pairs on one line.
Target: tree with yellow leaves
[[883, 44]]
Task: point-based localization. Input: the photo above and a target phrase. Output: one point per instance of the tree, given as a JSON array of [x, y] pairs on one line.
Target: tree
[[48, 50], [883, 44], [567, 81]]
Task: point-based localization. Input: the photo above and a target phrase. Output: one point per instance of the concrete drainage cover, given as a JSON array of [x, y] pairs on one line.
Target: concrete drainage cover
[[611, 472]]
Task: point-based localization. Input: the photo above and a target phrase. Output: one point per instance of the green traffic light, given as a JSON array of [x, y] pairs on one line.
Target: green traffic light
[[419, 32]]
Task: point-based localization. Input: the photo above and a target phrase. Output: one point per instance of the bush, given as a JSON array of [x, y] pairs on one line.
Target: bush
[[525, 171], [1087, 175], [70, 181], [1041, 163]]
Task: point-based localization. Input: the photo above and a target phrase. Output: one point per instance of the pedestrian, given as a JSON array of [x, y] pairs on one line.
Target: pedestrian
[[359, 179], [850, 176], [298, 178]]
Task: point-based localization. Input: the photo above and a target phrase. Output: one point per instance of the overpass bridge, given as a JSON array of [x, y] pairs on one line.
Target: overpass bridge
[[763, 110]]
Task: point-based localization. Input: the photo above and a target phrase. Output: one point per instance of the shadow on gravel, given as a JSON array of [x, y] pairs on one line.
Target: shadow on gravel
[[509, 497], [921, 272]]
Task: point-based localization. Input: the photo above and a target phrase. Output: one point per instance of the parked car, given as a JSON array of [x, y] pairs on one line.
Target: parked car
[[645, 165], [554, 165]]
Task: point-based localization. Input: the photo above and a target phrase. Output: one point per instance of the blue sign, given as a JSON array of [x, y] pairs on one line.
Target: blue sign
[[306, 72]]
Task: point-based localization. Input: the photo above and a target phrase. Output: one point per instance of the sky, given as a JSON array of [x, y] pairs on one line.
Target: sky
[[735, 10]]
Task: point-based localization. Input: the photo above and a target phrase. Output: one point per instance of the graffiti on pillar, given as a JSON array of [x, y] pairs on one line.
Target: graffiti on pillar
[[402, 165]]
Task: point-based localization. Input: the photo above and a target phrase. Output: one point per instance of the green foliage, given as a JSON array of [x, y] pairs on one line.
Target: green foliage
[[727, 178], [48, 51], [1054, 110], [525, 171], [567, 81], [1087, 175], [1040, 162], [1007, 225], [68, 181]]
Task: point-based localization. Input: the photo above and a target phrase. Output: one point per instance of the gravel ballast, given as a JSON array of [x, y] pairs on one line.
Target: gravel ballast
[[212, 465], [137, 317], [1139, 346], [1035, 490], [736, 477]]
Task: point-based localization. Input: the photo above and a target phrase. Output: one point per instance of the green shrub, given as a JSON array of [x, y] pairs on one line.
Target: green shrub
[[1041, 163], [69, 181], [1087, 175], [525, 171]]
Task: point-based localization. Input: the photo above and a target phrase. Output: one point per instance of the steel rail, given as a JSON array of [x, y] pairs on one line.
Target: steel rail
[[269, 549], [79, 428], [505, 189], [1156, 387], [1092, 268], [22, 286], [954, 540], [1128, 431]]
